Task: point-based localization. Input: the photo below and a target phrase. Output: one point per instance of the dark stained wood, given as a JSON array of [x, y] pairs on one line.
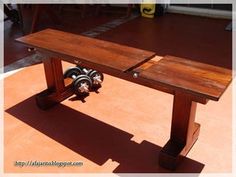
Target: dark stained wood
[[48, 98], [184, 131], [40, 9], [54, 74], [57, 89], [109, 54], [196, 78], [190, 82]]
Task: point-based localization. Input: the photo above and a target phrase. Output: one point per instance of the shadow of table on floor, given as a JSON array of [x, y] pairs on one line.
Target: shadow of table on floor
[[95, 140]]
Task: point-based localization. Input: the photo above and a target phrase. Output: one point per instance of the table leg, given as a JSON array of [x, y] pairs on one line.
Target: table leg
[[36, 10], [129, 10], [56, 90], [19, 7], [40, 9], [184, 131], [54, 74]]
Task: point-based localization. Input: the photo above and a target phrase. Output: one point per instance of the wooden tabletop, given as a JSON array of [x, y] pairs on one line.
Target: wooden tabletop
[[173, 73], [193, 77], [105, 53]]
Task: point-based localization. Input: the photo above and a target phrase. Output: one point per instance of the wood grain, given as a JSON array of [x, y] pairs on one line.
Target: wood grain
[[184, 131], [106, 53], [190, 82], [188, 76]]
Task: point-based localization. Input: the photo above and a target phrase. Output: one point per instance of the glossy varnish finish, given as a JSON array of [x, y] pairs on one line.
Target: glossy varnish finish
[[190, 82], [184, 131], [189, 76], [88, 49]]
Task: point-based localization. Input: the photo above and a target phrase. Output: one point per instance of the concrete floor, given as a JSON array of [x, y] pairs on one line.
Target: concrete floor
[[123, 127], [120, 129]]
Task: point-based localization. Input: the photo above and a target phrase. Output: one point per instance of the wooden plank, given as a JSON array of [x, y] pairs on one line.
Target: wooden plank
[[106, 53], [196, 78], [48, 98], [184, 131], [148, 64], [54, 74]]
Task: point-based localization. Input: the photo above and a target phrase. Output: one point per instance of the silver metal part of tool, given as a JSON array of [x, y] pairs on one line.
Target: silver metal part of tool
[[135, 75], [84, 87], [97, 79], [73, 76]]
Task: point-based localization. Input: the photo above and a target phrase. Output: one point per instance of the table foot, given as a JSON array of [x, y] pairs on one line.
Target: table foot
[[47, 98], [174, 151]]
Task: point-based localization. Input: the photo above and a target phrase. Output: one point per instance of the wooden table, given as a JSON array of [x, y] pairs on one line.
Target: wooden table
[[190, 82]]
